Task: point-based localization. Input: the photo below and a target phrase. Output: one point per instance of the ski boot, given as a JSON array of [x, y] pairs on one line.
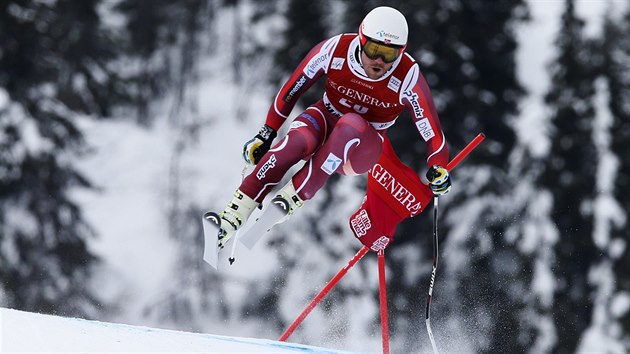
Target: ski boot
[[288, 201], [234, 216]]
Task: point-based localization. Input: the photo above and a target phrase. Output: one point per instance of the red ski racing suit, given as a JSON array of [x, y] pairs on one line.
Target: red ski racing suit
[[344, 131]]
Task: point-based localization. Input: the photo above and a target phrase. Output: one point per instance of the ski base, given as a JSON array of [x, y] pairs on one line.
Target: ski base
[[275, 211], [211, 226]]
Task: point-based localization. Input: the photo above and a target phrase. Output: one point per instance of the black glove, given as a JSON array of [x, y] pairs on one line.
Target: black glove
[[439, 180], [255, 148]]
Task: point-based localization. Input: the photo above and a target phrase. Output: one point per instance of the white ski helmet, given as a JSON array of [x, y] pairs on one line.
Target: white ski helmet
[[386, 25]]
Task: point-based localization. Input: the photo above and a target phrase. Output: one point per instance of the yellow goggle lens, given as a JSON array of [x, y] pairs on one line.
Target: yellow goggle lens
[[373, 50]]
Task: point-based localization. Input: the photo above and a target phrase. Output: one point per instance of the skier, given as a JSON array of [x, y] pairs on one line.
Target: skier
[[370, 80]]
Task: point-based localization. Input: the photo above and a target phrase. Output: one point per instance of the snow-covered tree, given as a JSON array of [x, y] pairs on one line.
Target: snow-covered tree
[[616, 71], [54, 66], [569, 175]]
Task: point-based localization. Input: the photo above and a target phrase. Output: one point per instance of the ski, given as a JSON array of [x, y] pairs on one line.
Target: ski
[[211, 225], [273, 213]]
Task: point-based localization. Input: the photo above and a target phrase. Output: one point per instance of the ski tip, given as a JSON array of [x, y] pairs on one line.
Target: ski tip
[[231, 259], [212, 217], [281, 204]]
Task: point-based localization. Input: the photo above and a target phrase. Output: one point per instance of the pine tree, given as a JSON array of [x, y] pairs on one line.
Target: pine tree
[[305, 28], [54, 66], [616, 52], [159, 40], [569, 175]]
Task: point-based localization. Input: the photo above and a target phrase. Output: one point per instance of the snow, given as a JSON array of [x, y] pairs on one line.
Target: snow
[[4, 98], [620, 304], [593, 11], [136, 250], [23, 332], [536, 50]]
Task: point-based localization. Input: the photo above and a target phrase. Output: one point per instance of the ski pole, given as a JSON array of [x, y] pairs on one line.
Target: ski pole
[[433, 271], [331, 284], [452, 164]]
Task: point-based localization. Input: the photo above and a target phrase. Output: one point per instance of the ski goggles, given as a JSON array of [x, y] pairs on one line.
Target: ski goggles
[[374, 50]]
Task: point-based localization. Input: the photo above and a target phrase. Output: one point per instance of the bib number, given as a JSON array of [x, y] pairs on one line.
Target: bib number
[[356, 107]]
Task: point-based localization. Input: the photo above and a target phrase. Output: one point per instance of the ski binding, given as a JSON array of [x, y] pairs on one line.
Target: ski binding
[[273, 213]]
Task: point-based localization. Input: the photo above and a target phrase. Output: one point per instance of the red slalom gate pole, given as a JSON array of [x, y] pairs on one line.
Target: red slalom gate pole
[[382, 292], [331, 284], [462, 154]]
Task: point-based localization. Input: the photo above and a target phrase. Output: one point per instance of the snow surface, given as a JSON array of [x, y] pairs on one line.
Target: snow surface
[[24, 332]]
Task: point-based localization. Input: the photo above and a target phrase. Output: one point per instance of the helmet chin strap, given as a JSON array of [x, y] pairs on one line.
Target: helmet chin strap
[[358, 55]]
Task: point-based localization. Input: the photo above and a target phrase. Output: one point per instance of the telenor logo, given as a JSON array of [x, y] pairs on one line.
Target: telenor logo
[[331, 164], [384, 34]]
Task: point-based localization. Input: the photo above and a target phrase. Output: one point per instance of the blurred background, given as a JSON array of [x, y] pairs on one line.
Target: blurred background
[[122, 121]]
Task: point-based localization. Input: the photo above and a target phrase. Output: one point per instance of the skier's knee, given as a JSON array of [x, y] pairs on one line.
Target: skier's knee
[[307, 133], [352, 122], [302, 141], [361, 143]]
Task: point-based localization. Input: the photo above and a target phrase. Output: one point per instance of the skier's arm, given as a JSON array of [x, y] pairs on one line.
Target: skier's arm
[[416, 96], [312, 67]]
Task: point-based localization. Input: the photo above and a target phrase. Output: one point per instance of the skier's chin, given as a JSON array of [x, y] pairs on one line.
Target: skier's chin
[[375, 72]]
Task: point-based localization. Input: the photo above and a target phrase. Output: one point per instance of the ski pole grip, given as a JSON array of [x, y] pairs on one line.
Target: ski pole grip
[[464, 153]]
